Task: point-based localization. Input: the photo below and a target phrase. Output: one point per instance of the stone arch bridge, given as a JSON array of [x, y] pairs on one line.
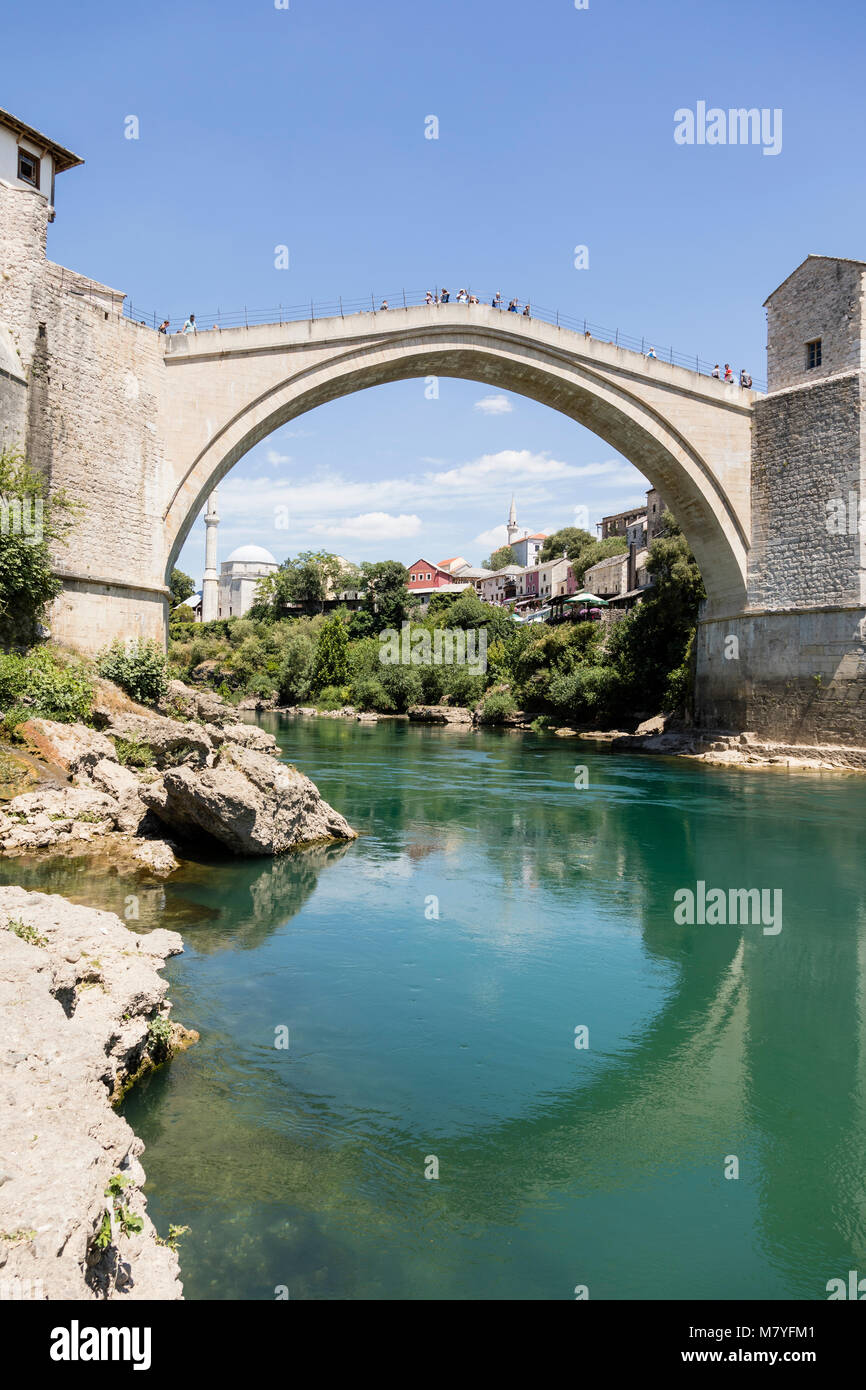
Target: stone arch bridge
[[139, 428], [225, 390]]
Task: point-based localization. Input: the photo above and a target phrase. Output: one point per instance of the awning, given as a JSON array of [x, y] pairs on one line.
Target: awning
[[591, 599]]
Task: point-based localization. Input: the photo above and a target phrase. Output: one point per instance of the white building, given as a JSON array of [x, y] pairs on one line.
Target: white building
[[239, 578], [526, 545], [29, 159]]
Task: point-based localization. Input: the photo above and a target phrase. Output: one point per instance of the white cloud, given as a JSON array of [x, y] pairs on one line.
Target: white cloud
[[371, 526], [494, 405], [520, 464], [274, 458], [496, 536]]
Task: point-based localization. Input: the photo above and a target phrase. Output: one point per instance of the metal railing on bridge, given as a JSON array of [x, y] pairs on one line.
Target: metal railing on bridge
[[310, 310]]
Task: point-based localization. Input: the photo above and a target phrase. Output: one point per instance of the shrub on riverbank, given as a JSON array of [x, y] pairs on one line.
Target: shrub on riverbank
[[30, 522], [44, 684], [139, 668]]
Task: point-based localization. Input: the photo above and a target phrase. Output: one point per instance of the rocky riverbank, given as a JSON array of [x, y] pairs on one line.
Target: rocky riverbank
[[148, 779], [84, 1013]]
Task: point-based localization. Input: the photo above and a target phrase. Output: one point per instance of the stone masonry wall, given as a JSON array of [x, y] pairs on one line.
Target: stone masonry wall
[[794, 675], [807, 450], [823, 299]]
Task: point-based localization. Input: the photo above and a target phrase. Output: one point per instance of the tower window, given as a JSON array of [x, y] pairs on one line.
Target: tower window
[[28, 167], [813, 354]]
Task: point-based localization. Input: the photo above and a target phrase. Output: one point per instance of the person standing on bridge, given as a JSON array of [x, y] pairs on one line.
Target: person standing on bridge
[[428, 298], [446, 295], [745, 379], [512, 308], [526, 313], [190, 325], [729, 375], [652, 354], [462, 297], [163, 327], [496, 301], [716, 372]]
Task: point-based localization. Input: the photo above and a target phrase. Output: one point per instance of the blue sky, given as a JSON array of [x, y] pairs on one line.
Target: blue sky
[[305, 127]]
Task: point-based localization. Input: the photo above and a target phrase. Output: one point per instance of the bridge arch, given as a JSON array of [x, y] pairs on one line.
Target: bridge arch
[[689, 435]]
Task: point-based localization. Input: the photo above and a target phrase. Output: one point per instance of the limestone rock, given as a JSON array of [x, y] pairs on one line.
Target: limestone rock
[[249, 735], [157, 855], [171, 741], [248, 801], [202, 704], [121, 784], [72, 747], [77, 1000], [440, 714], [56, 815]]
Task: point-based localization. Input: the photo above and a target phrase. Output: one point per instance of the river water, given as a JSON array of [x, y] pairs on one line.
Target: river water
[[418, 1041]]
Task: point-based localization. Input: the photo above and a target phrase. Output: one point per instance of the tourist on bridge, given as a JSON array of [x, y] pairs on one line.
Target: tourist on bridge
[[652, 354], [473, 299], [745, 379], [383, 305], [428, 298], [446, 295], [462, 297], [512, 308], [716, 372], [163, 327], [190, 325], [729, 375], [526, 313], [496, 301]]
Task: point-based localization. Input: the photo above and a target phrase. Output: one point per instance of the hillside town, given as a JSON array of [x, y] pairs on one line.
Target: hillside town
[[531, 588]]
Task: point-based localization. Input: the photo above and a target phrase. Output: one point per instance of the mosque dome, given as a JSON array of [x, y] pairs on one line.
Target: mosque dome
[[252, 555]]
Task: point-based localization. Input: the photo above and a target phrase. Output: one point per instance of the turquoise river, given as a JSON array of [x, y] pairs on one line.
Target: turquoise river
[[418, 1039]]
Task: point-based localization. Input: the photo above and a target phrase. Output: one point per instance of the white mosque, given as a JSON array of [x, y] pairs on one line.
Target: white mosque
[[232, 592]]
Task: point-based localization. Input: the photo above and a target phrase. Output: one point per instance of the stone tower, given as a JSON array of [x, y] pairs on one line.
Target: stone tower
[[796, 666], [512, 529], [210, 583]]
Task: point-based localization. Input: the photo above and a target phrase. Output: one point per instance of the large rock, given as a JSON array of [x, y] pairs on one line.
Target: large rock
[[55, 816], [439, 714], [201, 704], [72, 747], [123, 786], [170, 740], [77, 992], [248, 735], [247, 801]]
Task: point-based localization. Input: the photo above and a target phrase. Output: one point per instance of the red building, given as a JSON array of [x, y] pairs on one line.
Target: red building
[[424, 575]]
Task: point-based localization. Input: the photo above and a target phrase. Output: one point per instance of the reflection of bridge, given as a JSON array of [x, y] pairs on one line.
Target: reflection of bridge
[[139, 428]]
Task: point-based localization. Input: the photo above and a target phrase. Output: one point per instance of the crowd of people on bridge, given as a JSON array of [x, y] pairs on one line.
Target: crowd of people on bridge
[[745, 379], [463, 297]]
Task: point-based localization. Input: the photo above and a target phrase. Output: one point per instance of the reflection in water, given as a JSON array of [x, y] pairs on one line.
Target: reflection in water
[[453, 1035]]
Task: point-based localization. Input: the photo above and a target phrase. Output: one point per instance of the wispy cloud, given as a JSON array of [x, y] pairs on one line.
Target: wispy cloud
[[371, 526], [494, 405]]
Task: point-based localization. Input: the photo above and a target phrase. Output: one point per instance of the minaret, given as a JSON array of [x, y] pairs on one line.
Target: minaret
[[210, 583], [512, 528]]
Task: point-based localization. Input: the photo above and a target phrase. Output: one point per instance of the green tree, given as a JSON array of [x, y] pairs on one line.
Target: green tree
[[331, 662], [500, 558], [181, 586], [31, 523], [569, 540], [386, 598], [305, 579], [595, 551]]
